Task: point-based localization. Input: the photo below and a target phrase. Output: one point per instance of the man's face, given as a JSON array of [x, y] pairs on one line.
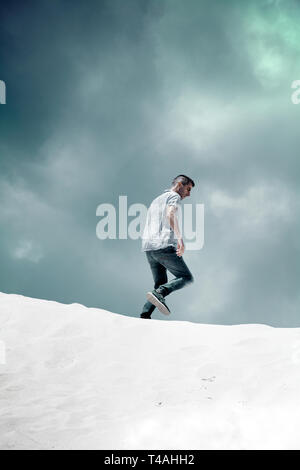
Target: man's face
[[185, 191]]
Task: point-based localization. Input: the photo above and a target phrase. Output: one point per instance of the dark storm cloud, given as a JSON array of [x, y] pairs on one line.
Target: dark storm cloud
[[46, 47]]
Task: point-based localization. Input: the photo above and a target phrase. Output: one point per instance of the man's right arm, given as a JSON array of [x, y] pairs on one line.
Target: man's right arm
[[173, 221]]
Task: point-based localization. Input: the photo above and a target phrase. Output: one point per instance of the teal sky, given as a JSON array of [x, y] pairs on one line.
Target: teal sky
[[109, 98]]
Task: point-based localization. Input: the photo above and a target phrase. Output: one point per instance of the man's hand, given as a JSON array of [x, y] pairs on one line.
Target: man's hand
[[180, 247]]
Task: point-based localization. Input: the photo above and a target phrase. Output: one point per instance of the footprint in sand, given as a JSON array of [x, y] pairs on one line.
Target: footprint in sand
[[209, 379]]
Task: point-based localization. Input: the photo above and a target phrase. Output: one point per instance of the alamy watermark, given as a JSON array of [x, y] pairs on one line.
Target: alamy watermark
[[296, 95], [2, 92], [193, 233], [2, 353]]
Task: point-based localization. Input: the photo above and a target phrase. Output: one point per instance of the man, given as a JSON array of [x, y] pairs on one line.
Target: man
[[164, 247]]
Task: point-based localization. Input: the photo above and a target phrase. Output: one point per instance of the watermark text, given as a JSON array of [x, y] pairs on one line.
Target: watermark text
[[296, 95], [190, 222]]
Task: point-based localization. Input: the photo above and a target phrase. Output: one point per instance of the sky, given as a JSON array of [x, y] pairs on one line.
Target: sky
[[110, 98]]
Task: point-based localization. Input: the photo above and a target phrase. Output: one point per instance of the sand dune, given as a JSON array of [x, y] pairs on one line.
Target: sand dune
[[86, 378]]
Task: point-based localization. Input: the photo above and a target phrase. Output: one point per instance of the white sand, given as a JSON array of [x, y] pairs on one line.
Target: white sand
[[85, 378]]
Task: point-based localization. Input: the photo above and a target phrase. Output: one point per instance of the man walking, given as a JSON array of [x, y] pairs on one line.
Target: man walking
[[164, 247]]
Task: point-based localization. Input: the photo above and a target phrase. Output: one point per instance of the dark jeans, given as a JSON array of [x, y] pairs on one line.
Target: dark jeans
[[160, 261]]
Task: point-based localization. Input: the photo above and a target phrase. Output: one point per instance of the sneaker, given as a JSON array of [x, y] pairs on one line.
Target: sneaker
[[145, 315], [157, 299]]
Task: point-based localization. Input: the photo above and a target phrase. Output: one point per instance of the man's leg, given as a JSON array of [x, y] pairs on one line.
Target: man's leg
[[160, 277], [175, 264]]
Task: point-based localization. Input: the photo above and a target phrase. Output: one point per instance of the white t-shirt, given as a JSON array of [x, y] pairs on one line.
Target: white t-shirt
[[157, 232]]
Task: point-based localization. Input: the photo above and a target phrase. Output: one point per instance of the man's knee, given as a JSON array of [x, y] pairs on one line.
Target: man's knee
[[189, 279]]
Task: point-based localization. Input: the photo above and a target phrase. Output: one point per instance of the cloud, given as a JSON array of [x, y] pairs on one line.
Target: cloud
[[255, 212], [272, 35], [27, 250]]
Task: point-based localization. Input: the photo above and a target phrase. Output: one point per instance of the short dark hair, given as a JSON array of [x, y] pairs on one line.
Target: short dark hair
[[183, 179]]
